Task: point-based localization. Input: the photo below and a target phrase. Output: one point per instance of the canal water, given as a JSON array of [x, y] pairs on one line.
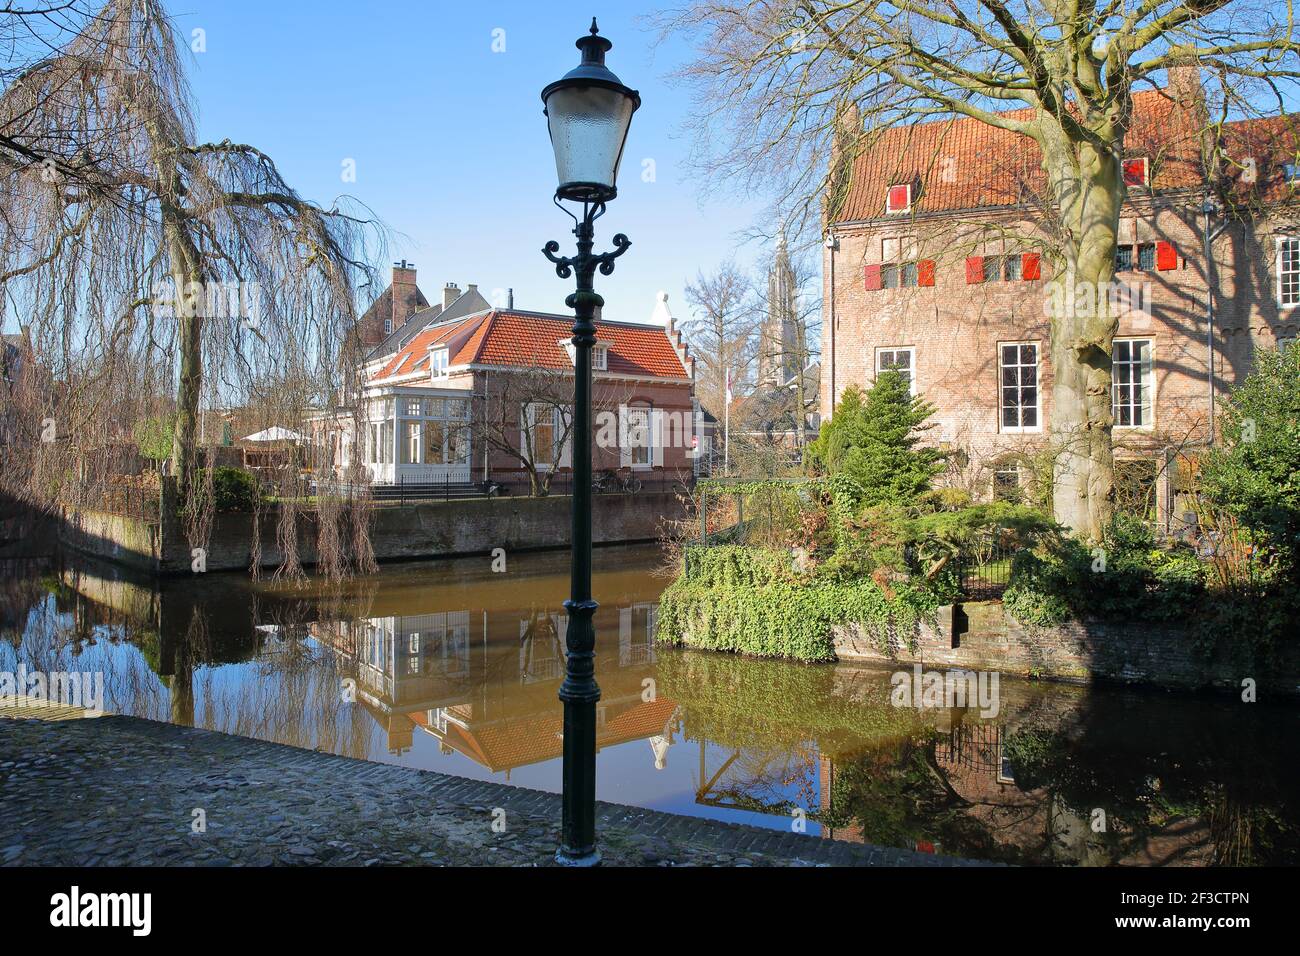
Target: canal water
[[453, 667]]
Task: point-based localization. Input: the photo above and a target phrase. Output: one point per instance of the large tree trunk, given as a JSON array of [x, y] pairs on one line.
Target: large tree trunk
[[1087, 186], [189, 317]]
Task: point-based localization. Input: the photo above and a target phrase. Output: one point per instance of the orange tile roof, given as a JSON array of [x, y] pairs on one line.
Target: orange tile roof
[[532, 339], [1270, 141], [968, 164], [520, 741]]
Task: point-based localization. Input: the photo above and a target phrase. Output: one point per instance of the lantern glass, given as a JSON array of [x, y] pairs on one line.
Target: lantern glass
[[589, 125]]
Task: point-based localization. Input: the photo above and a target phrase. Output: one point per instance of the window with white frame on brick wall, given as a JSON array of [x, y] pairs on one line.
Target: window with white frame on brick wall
[[1132, 384], [900, 266], [1019, 406], [1288, 271], [901, 359], [1003, 261]]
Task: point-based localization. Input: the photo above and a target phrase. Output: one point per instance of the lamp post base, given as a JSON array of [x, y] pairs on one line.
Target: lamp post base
[[566, 857]]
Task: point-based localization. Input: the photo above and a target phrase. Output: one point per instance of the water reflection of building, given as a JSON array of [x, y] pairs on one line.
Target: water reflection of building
[[483, 683], [1030, 824]]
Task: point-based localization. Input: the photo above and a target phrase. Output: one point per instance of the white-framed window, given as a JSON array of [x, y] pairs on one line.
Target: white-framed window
[[1018, 388], [901, 359], [379, 447], [600, 357], [541, 430], [411, 443], [1131, 383], [638, 436], [1288, 271], [388, 326], [438, 362]]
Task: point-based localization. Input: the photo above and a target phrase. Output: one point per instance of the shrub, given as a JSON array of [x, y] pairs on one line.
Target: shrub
[[1255, 476], [751, 601], [234, 489], [153, 437], [872, 439], [1128, 577]]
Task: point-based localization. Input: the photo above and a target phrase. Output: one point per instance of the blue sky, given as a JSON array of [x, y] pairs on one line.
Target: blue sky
[[448, 136]]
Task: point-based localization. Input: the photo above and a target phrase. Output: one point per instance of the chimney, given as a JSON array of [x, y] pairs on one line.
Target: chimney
[[1184, 84], [404, 292], [510, 298], [450, 293]]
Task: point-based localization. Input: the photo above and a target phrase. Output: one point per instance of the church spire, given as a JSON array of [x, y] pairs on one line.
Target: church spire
[[778, 359]]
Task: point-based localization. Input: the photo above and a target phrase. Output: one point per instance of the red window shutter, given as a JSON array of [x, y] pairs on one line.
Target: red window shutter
[[974, 270], [1166, 256], [925, 272], [1135, 172], [899, 198], [1030, 269], [873, 278]]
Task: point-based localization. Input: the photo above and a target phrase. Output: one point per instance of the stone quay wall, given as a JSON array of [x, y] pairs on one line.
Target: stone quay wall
[[982, 636], [428, 530]]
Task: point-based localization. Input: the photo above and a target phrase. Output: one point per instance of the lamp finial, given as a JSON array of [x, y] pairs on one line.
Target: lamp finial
[[594, 29]]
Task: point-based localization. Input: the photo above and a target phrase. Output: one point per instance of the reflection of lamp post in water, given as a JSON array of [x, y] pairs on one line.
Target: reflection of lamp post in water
[[589, 113]]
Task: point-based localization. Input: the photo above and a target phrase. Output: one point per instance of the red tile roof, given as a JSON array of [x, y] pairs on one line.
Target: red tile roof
[[968, 164], [1270, 141], [532, 339], [520, 741]]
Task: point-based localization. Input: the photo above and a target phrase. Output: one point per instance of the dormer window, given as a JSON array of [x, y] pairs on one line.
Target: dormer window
[[599, 354], [898, 199], [1137, 172], [438, 362]]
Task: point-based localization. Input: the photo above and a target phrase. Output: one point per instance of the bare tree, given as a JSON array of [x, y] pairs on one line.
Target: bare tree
[[526, 415], [125, 242], [723, 332], [779, 81]]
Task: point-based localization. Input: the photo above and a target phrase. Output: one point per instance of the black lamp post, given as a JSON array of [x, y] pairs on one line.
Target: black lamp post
[[589, 112]]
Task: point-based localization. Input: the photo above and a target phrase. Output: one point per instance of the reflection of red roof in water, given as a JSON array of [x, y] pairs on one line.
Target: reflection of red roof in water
[[508, 744]]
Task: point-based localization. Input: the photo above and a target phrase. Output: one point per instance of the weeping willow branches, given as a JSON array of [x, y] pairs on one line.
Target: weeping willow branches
[[155, 277]]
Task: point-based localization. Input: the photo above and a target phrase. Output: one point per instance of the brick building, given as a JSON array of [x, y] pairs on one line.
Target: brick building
[[937, 263], [402, 311], [479, 398]]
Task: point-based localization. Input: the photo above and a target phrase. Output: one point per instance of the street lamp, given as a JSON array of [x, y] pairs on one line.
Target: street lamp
[[589, 112]]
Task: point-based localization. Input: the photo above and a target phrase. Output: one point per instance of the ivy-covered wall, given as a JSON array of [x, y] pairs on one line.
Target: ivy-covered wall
[[754, 601]]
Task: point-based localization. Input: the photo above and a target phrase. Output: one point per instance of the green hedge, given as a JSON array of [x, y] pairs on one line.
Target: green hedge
[[753, 601]]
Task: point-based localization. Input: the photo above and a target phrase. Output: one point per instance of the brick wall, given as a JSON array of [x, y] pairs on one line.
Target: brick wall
[[956, 327], [986, 638], [673, 398]]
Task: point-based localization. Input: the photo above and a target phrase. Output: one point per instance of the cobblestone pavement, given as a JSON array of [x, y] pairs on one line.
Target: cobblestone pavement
[[120, 791]]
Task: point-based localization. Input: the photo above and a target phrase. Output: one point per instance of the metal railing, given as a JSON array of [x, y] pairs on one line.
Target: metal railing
[[518, 484], [985, 572]]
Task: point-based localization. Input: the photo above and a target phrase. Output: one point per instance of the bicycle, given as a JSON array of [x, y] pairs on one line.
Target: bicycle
[[608, 482]]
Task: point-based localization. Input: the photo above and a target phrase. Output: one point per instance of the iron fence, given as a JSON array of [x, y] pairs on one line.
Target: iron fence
[[519, 483], [985, 571]]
